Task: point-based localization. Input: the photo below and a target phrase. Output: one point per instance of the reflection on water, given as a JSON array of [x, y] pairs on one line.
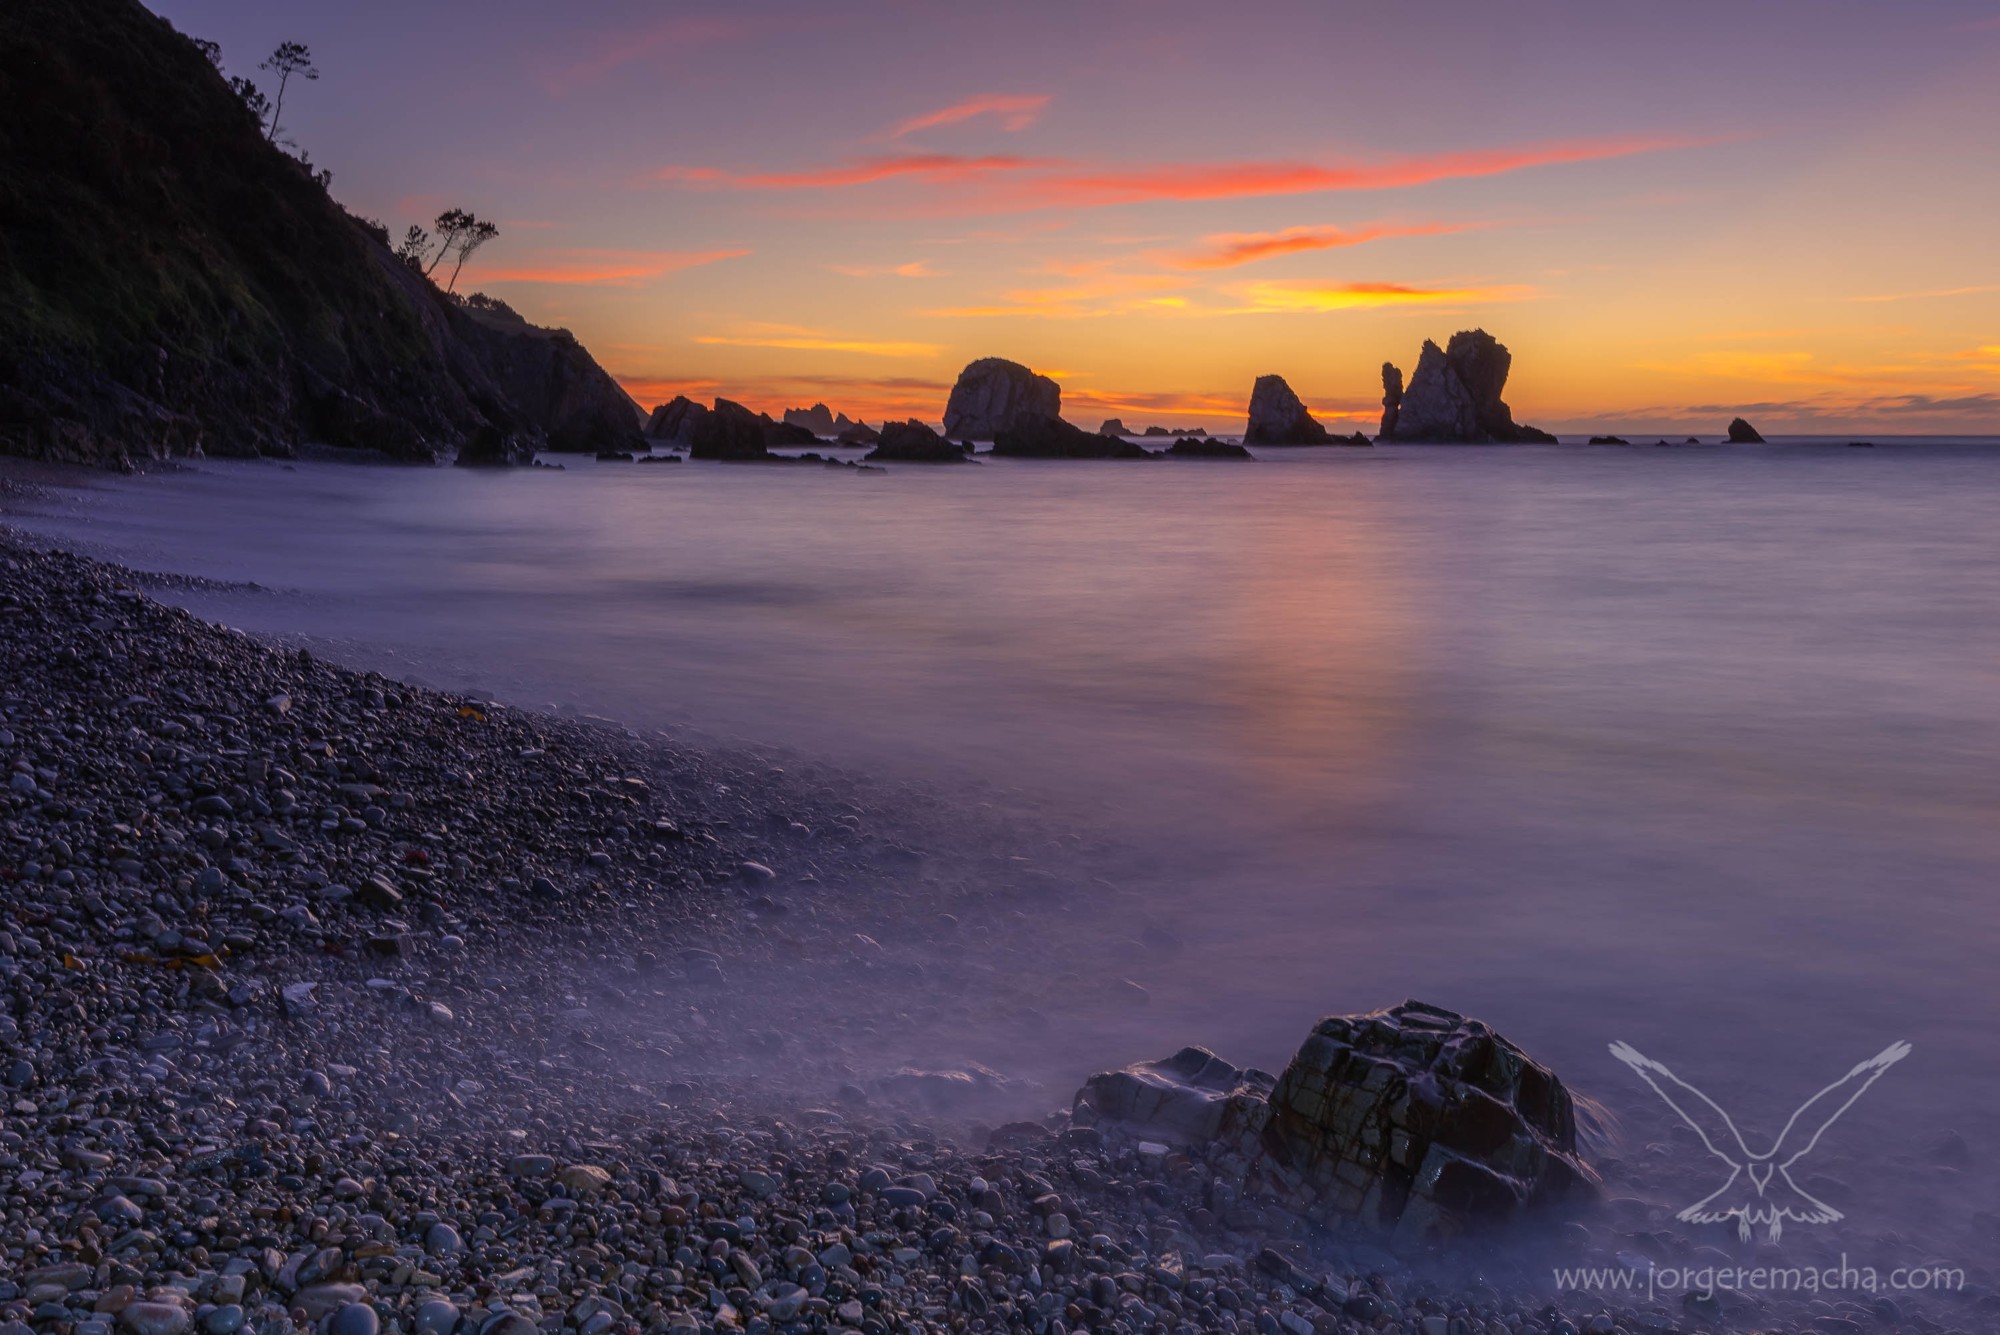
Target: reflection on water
[[1690, 748]]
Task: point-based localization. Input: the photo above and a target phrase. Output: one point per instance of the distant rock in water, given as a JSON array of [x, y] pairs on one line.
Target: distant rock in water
[[675, 421], [1053, 438], [1454, 396], [1742, 433], [1201, 447], [857, 433], [215, 298], [1392, 399], [785, 433], [730, 432], [817, 419], [1612, 440], [1278, 417], [912, 442], [994, 394], [1415, 1124], [1115, 426]]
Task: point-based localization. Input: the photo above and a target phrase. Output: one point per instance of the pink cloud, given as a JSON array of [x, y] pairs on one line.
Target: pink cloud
[[1016, 113]]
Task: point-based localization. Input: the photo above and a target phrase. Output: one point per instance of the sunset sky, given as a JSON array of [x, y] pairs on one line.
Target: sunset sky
[[1671, 213]]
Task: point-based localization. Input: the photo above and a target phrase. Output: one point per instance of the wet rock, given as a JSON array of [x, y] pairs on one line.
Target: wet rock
[[912, 442], [1183, 1097], [1202, 447]]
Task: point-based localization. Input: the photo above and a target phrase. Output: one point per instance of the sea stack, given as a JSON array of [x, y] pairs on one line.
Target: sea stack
[[1277, 417], [731, 432], [1454, 396], [817, 419], [675, 421], [1742, 433], [993, 395]]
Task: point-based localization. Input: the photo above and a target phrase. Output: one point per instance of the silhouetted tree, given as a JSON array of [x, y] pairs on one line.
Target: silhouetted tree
[[454, 235], [211, 51], [416, 244], [252, 97], [290, 58], [476, 233]]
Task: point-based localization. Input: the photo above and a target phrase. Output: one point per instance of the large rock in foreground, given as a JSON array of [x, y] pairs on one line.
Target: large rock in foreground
[[994, 394], [1454, 396], [1279, 417], [1417, 1124], [1053, 438]]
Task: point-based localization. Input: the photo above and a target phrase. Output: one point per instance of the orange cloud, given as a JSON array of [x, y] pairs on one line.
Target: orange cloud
[[1230, 249], [810, 343], [1056, 186], [914, 269], [1239, 180], [1316, 296], [1016, 112], [1940, 292], [943, 168], [1104, 296], [605, 268]]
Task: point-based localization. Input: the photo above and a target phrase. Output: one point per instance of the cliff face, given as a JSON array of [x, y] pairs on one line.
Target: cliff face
[[171, 283], [995, 395]]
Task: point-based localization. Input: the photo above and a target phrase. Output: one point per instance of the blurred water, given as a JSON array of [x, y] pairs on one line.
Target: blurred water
[[1690, 747]]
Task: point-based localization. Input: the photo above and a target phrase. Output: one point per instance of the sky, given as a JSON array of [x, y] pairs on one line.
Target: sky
[[1671, 214]]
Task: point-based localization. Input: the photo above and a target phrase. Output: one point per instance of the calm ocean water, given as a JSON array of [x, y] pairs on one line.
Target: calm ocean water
[[1696, 748]]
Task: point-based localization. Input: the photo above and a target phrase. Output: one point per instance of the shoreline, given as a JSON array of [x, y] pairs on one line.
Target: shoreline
[[320, 1032]]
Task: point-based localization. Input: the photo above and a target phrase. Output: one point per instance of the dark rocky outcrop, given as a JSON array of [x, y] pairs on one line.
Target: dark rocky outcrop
[[1278, 417], [171, 283], [912, 442], [1612, 440], [730, 432], [858, 433], [1454, 396], [675, 421], [1053, 438], [1201, 447], [994, 394], [1115, 426], [1742, 433], [785, 433], [817, 419], [1416, 1124]]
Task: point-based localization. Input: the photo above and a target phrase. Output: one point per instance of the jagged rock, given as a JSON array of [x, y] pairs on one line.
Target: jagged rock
[[1114, 426], [1183, 1098], [1053, 438], [1201, 447], [1612, 440], [817, 419], [547, 376], [1417, 1124], [993, 394], [1742, 433], [676, 421], [858, 433], [729, 431], [490, 447], [912, 442], [1392, 398], [784, 433], [1454, 395], [1277, 417]]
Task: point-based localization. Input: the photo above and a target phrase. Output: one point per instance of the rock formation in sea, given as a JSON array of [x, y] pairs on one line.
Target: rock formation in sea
[[1742, 433], [675, 421], [1392, 399], [730, 432], [1053, 438], [215, 297], [1417, 1125], [1114, 426], [857, 433], [1612, 440], [1454, 395], [912, 442], [817, 419], [993, 394], [1278, 417], [1201, 447], [785, 433]]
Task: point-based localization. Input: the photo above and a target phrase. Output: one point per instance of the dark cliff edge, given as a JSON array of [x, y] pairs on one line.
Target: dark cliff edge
[[172, 284]]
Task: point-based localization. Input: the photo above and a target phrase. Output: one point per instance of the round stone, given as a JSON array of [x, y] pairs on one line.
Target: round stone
[[355, 1319]]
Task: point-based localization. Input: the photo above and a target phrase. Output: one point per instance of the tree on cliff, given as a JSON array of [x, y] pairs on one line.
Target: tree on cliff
[[455, 234], [290, 58]]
